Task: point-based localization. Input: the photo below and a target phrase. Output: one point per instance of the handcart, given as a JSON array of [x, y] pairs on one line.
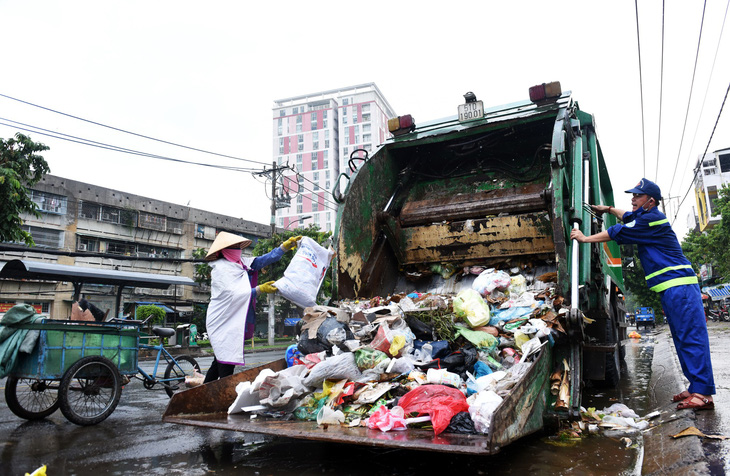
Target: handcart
[[77, 366]]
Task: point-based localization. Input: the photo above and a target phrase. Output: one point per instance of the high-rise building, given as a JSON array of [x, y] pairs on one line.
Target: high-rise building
[[317, 135]]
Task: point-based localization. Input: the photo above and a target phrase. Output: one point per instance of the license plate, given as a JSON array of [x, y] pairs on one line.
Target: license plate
[[471, 111]]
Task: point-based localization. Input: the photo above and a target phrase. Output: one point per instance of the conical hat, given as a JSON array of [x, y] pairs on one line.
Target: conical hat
[[225, 240]]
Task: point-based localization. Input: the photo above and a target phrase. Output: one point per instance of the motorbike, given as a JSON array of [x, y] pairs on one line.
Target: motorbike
[[720, 314]]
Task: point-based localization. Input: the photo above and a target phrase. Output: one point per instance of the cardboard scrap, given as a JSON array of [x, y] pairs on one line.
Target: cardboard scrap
[[692, 431]]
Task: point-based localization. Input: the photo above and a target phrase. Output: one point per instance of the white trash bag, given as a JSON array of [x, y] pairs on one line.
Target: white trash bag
[[305, 273]]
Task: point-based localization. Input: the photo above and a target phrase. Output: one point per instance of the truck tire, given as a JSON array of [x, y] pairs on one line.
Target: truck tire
[[90, 390]]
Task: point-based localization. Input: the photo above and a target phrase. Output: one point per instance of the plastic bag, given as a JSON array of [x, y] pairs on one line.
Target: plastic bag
[[480, 339], [439, 401], [470, 305], [420, 330], [481, 408], [305, 273], [517, 286], [334, 368], [490, 280], [367, 358], [386, 420]]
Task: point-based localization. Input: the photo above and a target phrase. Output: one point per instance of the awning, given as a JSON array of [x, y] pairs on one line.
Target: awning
[[718, 293], [26, 269]]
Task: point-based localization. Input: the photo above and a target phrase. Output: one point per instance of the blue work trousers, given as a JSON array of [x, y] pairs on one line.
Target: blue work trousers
[[686, 317]]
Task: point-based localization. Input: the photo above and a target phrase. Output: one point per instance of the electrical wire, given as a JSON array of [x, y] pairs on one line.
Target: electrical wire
[[689, 100], [131, 133], [100, 145], [705, 153], [707, 88], [641, 87], [661, 96]]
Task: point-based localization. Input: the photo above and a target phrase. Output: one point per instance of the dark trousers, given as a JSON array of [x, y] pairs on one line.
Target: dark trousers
[[218, 370]]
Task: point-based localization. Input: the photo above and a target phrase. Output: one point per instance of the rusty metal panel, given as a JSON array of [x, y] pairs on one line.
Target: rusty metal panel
[[215, 396], [413, 439], [496, 237], [470, 205], [521, 412]]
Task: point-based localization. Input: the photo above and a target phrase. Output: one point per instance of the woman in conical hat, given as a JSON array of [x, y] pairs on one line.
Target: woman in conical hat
[[234, 278]]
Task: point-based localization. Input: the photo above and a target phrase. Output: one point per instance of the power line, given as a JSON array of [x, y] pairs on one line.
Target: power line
[[100, 145], [661, 95], [707, 88], [641, 87], [704, 153], [689, 100], [132, 133]]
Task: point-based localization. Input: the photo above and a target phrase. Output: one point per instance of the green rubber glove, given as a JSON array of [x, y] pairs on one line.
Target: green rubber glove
[[267, 288], [291, 242]]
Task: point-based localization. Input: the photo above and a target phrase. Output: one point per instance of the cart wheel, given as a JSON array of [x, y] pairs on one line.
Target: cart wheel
[[30, 398], [90, 390], [183, 366]]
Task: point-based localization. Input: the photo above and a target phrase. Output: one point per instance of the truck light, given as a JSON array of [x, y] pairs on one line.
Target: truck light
[[401, 125], [545, 91]]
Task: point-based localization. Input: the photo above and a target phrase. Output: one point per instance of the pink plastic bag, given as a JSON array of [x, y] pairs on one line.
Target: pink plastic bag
[[441, 402], [386, 420]]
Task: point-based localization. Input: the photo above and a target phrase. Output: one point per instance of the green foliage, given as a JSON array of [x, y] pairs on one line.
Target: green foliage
[[158, 314], [713, 246], [202, 270], [20, 167]]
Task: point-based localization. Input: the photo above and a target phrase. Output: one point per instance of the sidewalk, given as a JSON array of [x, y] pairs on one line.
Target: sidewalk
[[663, 454]]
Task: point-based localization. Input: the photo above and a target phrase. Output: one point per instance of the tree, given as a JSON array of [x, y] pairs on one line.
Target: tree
[[638, 293], [713, 246], [20, 167]]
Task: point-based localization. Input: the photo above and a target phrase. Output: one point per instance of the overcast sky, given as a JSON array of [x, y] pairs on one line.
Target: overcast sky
[[205, 75]]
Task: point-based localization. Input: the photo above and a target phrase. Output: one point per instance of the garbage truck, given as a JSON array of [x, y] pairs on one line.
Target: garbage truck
[[494, 187]]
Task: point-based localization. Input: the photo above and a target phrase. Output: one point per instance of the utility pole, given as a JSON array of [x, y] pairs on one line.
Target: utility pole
[[282, 202]]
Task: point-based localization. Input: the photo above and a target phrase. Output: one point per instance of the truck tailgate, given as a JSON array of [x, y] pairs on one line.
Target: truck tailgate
[[520, 414]]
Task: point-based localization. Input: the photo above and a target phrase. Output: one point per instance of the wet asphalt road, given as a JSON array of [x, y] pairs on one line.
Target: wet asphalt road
[[133, 440]]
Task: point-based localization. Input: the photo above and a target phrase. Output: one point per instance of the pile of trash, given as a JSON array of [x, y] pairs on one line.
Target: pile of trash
[[426, 360]]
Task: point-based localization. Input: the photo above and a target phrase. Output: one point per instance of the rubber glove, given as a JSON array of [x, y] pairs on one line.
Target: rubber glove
[[267, 288], [291, 242]]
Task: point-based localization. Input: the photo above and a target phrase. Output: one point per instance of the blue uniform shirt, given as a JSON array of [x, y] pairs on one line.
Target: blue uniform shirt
[[661, 256]]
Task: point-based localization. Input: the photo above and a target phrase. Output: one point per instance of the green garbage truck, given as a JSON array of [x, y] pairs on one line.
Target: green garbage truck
[[493, 187]]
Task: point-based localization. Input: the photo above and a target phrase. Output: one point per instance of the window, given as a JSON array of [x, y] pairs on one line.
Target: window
[[325, 162], [357, 139], [49, 202], [314, 161], [279, 126], [315, 206], [282, 112], [299, 198], [314, 121], [354, 117], [344, 119], [346, 101], [724, 162], [44, 237], [347, 139], [299, 161], [366, 137], [344, 152], [299, 209], [365, 107], [300, 146], [89, 210], [281, 145], [366, 117], [151, 221], [315, 140], [366, 127]]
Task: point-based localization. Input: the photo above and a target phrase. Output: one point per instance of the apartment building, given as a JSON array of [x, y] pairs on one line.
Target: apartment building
[[712, 172], [89, 226], [318, 135]]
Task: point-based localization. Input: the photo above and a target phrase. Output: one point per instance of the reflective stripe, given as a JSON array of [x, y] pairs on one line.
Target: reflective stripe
[[669, 268], [674, 282], [658, 222]]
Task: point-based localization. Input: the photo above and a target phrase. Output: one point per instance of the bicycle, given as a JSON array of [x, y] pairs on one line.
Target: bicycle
[[177, 367], [79, 367]]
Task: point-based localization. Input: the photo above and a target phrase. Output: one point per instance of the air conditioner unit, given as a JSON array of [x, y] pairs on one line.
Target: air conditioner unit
[[82, 247], [177, 231]]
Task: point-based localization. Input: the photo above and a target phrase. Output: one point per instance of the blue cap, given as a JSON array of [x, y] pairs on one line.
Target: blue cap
[[648, 187]]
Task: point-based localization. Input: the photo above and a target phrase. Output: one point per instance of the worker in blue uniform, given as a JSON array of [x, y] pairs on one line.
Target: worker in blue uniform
[[669, 273]]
